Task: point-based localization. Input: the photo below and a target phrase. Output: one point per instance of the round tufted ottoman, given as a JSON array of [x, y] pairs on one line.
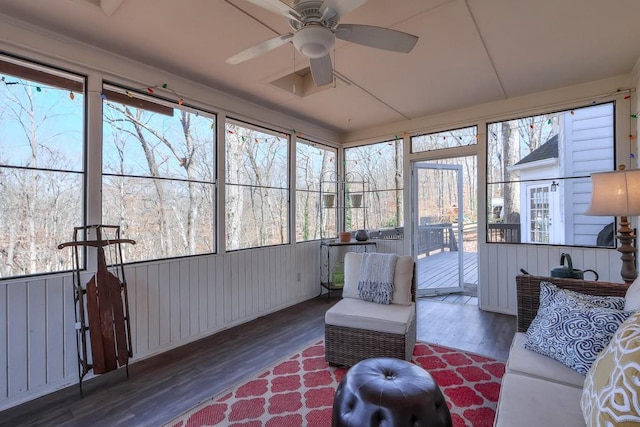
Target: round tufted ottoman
[[389, 392]]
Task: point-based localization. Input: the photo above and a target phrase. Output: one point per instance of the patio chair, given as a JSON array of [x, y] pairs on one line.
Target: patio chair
[[356, 329]]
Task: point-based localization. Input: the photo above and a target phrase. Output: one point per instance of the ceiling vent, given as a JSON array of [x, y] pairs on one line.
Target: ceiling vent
[[300, 83], [108, 7]]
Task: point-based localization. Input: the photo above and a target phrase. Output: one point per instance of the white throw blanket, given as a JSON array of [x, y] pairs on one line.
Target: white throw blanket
[[376, 277]]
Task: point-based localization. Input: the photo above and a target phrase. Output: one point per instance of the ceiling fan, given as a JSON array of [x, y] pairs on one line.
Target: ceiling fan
[[316, 25]]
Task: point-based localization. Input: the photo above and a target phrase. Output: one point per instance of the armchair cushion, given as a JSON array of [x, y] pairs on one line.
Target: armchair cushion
[[401, 279], [358, 314], [632, 297]]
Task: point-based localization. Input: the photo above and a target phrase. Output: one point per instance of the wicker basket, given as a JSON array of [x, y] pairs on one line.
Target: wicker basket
[[528, 292]]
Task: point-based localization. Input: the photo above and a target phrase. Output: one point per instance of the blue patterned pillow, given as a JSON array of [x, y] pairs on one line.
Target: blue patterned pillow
[[571, 330], [549, 290]]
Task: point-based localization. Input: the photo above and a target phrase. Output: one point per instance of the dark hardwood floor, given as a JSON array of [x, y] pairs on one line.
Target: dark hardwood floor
[[162, 387]]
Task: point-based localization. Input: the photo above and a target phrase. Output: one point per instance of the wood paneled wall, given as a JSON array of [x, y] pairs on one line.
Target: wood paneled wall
[[172, 302], [499, 264]]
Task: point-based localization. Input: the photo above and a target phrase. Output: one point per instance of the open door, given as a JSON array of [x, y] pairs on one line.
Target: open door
[[438, 228]]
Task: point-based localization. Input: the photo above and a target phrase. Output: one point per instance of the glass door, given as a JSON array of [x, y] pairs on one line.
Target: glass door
[[438, 227]]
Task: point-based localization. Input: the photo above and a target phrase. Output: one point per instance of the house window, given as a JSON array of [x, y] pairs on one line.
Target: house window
[[381, 167], [313, 162], [158, 180], [447, 139], [42, 120], [257, 186], [538, 177]]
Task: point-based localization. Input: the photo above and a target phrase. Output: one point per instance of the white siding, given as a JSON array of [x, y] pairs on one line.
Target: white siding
[[587, 138], [172, 303]]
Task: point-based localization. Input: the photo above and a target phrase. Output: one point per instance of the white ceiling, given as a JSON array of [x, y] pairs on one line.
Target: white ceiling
[[469, 52]]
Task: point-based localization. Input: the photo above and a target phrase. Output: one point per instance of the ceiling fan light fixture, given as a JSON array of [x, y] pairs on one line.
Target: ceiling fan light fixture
[[314, 41]]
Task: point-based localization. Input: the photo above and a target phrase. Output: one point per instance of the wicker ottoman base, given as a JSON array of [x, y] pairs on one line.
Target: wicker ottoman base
[[347, 346]]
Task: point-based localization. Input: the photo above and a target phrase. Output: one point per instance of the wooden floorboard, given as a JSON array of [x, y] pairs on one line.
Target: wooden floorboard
[[164, 386], [440, 269]]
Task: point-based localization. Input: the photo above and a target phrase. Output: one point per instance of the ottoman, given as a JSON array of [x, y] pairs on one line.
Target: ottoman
[[389, 392]]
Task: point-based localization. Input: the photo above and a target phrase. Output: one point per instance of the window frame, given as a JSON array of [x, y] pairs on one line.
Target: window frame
[[287, 190], [320, 178], [368, 192], [537, 181], [51, 76], [160, 105]]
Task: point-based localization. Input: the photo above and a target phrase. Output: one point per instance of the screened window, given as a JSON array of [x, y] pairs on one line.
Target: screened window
[[41, 166], [257, 186], [381, 166], [539, 183], [313, 162], [446, 139], [158, 179]]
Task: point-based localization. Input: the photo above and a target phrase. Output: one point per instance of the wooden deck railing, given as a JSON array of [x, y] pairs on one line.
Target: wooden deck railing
[[503, 233], [434, 237]]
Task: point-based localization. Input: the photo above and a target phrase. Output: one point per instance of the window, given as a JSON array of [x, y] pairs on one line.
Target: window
[[313, 163], [41, 166], [257, 186], [381, 165], [538, 177], [446, 139], [158, 179]]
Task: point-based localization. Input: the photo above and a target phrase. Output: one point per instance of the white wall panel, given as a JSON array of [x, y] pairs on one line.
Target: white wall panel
[[37, 341], [55, 329], [153, 301], [17, 346], [499, 265], [164, 303], [172, 303], [175, 303], [3, 341]]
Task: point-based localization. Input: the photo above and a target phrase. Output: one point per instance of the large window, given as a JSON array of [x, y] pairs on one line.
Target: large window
[[158, 175], [381, 166], [313, 163], [41, 166], [257, 186], [538, 177]]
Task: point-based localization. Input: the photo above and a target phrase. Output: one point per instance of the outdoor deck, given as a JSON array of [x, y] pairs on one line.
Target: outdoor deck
[[440, 270]]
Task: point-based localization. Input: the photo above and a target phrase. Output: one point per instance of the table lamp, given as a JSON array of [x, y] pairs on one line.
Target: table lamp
[[617, 193]]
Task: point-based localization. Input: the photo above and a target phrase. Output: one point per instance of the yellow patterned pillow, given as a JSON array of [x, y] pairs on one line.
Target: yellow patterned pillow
[[611, 393]]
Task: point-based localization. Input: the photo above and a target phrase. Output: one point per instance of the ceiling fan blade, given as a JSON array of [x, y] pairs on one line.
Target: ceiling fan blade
[[277, 6], [259, 49], [322, 70], [378, 37], [331, 8]]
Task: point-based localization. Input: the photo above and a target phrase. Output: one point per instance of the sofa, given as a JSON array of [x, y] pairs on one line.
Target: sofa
[[538, 390], [356, 329]]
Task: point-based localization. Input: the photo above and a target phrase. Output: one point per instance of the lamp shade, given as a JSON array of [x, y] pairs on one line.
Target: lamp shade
[[615, 193]]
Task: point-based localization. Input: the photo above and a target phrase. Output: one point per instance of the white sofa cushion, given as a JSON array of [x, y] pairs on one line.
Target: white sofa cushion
[[356, 313], [532, 402], [401, 278], [531, 363], [632, 297]]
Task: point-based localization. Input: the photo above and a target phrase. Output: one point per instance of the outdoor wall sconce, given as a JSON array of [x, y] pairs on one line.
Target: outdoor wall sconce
[[554, 186]]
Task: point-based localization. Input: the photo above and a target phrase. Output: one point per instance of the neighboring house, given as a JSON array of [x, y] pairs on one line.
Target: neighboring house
[[552, 202]]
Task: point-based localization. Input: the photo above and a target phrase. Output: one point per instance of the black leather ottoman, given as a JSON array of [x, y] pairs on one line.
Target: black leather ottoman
[[389, 392]]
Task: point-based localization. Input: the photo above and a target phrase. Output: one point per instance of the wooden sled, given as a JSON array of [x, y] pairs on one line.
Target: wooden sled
[[106, 303]]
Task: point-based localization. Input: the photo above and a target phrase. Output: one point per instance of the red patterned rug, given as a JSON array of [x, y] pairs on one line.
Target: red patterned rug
[[299, 391]]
